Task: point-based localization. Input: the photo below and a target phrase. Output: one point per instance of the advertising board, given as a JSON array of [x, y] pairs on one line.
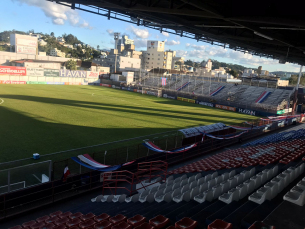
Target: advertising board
[[11, 70], [72, 83], [51, 73], [105, 85], [12, 82], [246, 111], [26, 42], [34, 72], [168, 96], [36, 82], [225, 107], [91, 74], [186, 100], [204, 103], [25, 50], [57, 83], [72, 73]]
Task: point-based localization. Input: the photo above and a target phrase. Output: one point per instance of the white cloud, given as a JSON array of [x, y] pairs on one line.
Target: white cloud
[[110, 31], [139, 33], [172, 42], [58, 21], [165, 34], [140, 43], [58, 13]]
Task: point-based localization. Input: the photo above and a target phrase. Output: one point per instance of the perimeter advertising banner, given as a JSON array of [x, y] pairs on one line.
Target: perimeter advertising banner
[[72, 83], [186, 100], [36, 82], [51, 73], [72, 74], [11, 70], [205, 103], [93, 75], [225, 107], [105, 85], [12, 82], [34, 72]]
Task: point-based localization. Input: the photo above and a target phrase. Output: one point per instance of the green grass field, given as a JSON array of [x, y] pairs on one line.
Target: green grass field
[[49, 118]]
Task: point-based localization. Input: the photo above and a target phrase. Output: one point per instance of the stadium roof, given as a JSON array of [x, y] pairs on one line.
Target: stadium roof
[[269, 29]]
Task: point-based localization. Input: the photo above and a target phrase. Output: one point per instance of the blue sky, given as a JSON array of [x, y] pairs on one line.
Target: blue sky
[[47, 17]]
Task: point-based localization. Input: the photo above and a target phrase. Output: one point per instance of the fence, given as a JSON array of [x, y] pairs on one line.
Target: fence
[[77, 184]]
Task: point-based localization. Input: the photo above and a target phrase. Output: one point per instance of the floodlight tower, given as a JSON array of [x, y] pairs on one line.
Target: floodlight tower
[[116, 38]]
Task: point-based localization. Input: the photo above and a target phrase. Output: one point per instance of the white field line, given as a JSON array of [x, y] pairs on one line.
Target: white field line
[[1, 101]]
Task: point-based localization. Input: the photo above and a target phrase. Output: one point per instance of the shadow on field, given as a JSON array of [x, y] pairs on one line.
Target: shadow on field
[[21, 136], [127, 109]]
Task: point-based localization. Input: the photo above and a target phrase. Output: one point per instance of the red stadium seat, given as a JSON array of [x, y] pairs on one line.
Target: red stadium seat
[[51, 220], [75, 215], [117, 219], [16, 227], [48, 226], [66, 214], [87, 216], [219, 224], [159, 221], [56, 213], [103, 225], [186, 223], [43, 218], [101, 217], [73, 222], [61, 221], [28, 224], [37, 225], [145, 226], [87, 224], [136, 220], [171, 227], [260, 225], [122, 225], [61, 227]]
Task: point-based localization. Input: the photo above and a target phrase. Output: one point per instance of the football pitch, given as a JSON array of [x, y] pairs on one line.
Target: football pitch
[[49, 118]]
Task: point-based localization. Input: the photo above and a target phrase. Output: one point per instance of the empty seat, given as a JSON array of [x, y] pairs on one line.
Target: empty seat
[[122, 225], [260, 197], [169, 178], [219, 224], [57, 213], [75, 215], [186, 223], [201, 181], [136, 220], [243, 191], [73, 222], [101, 217], [133, 198], [279, 182], [86, 224], [193, 184], [37, 225], [211, 183], [64, 227], [162, 186], [233, 182], [87, 216], [225, 176], [103, 225], [51, 219], [225, 185], [295, 197], [203, 187], [207, 177], [66, 214], [219, 179], [119, 198], [43, 218], [217, 190], [232, 173], [230, 196], [257, 180], [198, 176], [214, 175], [159, 221], [48, 226], [61, 221], [250, 185], [194, 192], [143, 195], [252, 172], [205, 196], [117, 219], [191, 179], [16, 227]]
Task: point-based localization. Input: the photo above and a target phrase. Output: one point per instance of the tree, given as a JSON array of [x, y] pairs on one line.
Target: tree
[[52, 34], [71, 64], [98, 47]]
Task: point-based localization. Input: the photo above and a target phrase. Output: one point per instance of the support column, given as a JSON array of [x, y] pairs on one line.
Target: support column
[[296, 91]]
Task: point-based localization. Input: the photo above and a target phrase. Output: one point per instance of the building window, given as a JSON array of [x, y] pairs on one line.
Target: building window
[[158, 54], [158, 58]]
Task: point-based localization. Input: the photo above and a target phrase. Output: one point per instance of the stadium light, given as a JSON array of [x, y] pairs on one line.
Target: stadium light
[[264, 36]]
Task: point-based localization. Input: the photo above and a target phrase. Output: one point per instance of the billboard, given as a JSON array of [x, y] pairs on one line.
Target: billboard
[[42, 65], [34, 71], [11, 70], [57, 83], [246, 111], [72, 73], [25, 49], [205, 103], [51, 73], [26, 42], [12, 82], [105, 85], [225, 107], [72, 83], [36, 82], [169, 96], [186, 100], [91, 74]]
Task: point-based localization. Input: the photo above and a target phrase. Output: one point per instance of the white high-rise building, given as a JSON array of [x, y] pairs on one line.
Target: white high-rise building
[[155, 57]]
